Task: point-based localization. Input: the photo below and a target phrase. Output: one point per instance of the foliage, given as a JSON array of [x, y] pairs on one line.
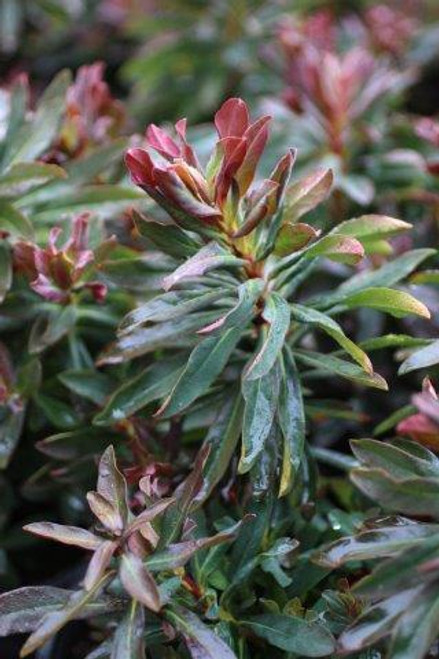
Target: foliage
[[204, 315]]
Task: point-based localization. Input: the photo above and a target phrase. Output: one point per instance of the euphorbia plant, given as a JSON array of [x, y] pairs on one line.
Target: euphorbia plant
[[233, 322]]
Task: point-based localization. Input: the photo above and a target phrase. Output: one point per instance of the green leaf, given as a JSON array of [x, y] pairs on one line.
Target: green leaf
[[14, 222], [174, 334], [293, 237], [35, 136], [291, 418], [371, 227], [417, 628], [304, 314], [5, 269], [167, 307], [424, 358], [168, 238], [403, 571], [87, 383], [292, 634], [11, 426], [411, 496], [202, 641], [221, 441], [49, 329], [102, 200], [74, 444], [184, 495], [177, 555], [128, 640], [261, 398], [388, 275], [138, 582], [59, 413], [391, 301], [209, 358], [342, 368], [277, 314], [24, 176], [210, 257], [396, 461], [341, 249], [152, 383], [376, 621]]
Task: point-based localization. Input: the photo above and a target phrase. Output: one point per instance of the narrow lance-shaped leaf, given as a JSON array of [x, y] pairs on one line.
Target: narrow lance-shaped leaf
[[168, 306], [138, 582], [394, 302], [386, 540], [53, 622], [412, 496], [22, 610], [342, 249], [341, 367], [177, 555], [210, 257], [261, 398], [99, 562], [5, 269], [424, 358], [184, 495], [68, 535], [376, 621], [112, 485], [277, 314], [152, 383], [304, 314], [105, 512], [209, 358], [371, 227], [388, 274], [222, 439], [417, 628], [291, 418], [128, 640], [202, 642], [292, 634], [305, 194]]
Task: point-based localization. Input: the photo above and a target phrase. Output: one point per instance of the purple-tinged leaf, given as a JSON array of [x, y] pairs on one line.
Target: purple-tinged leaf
[[232, 118], [52, 622], [105, 512], [210, 257], [21, 610], [175, 556], [202, 642], [138, 582], [341, 249], [184, 495], [112, 485], [99, 562], [293, 237], [68, 535], [148, 515], [305, 194], [128, 640]]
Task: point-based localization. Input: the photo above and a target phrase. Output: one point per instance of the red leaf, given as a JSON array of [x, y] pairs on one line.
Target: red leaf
[[232, 118]]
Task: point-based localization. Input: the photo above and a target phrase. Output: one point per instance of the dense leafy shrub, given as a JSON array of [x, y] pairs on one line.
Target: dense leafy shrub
[[201, 317]]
